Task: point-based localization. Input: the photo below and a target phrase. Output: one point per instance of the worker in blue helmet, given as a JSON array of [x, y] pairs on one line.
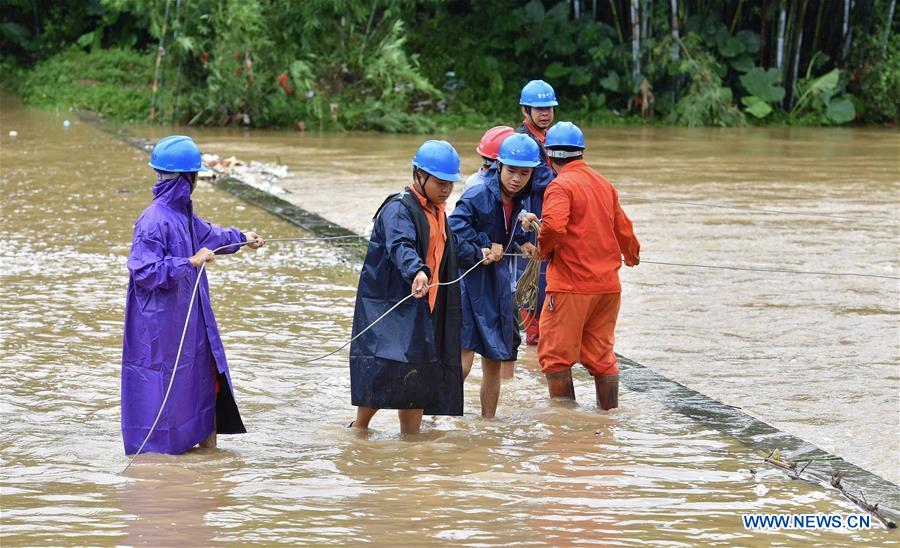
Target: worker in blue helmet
[[538, 104], [170, 243], [486, 216], [586, 236], [410, 360]]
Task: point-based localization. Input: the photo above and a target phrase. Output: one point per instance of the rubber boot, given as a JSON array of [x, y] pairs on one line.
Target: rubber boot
[[607, 391], [560, 384]]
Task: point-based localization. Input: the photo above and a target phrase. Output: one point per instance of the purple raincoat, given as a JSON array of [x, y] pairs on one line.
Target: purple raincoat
[[159, 292]]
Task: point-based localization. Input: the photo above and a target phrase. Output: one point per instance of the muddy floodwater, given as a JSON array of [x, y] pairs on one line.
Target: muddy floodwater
[[815, 356]]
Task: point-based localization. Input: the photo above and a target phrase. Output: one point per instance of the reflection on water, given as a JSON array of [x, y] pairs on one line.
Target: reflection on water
[[541, 473]]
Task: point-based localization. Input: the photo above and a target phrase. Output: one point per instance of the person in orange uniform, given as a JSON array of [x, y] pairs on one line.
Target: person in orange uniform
[[584, 234]]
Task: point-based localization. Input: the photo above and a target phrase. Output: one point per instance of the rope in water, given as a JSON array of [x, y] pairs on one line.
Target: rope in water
[[753, 209], [779, 270], [761, 269], [184, 330], [391, 309], [194, 298], [526, 295]]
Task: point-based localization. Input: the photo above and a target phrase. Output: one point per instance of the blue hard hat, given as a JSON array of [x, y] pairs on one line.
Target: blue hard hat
[[538, 93], [176, 154], [439, 159], [564, 134], [519, 150]]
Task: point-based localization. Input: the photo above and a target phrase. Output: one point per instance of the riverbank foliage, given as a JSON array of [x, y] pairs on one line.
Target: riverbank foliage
[[406, 66]]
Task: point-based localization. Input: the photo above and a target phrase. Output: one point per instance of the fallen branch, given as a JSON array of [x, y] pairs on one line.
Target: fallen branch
[[791, 468]]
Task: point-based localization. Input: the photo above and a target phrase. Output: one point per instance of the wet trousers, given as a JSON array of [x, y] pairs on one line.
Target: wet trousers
[[579, 328]]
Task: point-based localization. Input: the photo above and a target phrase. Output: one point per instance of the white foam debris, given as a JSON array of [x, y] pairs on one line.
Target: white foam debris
[[259, 175]]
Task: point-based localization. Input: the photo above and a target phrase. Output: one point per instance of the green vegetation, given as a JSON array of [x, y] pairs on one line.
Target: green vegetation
[[404, 66]]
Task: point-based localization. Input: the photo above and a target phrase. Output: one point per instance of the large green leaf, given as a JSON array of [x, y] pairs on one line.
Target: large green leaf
[[555, 70], [579, 76], [611, 82], [841, 110], [764, 84], [742, 63], [15, 32], [728, 45], [827, 84], [756, 106], [750, 40]]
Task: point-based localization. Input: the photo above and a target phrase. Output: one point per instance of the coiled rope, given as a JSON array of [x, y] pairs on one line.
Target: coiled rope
[[527, 286]]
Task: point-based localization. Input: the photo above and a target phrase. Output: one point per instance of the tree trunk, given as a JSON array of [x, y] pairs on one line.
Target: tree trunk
[[645, 20], [848, 30], [887, 29], [157, 75], [761, 61], [676, 50], [615, 13], [576, 8], [635, 41], [779, 55]]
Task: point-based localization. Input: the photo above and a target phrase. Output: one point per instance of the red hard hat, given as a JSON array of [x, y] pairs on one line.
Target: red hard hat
[[489, 146]]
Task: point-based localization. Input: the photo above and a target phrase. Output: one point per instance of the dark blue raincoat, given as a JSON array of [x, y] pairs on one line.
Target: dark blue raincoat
[[159, 292], [543, 176], [411, 358], [490, 327]]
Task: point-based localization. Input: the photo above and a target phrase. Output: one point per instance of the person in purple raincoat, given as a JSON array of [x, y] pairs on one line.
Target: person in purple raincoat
[[170, 244]]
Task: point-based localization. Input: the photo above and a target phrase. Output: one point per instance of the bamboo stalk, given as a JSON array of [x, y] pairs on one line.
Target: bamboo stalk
[[761, 61], [887, 29], [157, 76], [635, 40], [676, 49], [848, 30], [779, 56], [645, 20], [615, 12], [183, 24], [737, 16]]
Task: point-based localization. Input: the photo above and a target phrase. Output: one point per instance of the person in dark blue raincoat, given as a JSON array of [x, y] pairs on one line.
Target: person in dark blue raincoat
[[170, 243], [410, 360], [487, 216], [537, 102]]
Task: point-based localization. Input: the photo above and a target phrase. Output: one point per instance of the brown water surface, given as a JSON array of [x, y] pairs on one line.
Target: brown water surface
[[812, 355]]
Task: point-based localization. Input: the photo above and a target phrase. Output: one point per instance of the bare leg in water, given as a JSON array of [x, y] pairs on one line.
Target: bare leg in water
[[410, 420], [210, 441], [363, 416], [507, 369], [490, 387], [468, 356]]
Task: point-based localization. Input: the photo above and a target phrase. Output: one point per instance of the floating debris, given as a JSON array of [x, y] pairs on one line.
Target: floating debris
[[259, 175]]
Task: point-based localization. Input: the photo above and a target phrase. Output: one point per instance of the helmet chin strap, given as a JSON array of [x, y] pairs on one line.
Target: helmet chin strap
[[421, 184]]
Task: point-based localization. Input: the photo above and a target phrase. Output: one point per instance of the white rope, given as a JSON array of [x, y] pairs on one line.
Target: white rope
[[191, 307], [391, 309]]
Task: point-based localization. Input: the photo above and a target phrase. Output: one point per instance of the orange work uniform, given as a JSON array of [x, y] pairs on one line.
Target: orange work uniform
[[584, 234], [436, 243]]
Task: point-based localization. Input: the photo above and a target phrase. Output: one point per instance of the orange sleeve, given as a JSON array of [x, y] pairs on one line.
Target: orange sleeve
[[628, 242], [556, 209]]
